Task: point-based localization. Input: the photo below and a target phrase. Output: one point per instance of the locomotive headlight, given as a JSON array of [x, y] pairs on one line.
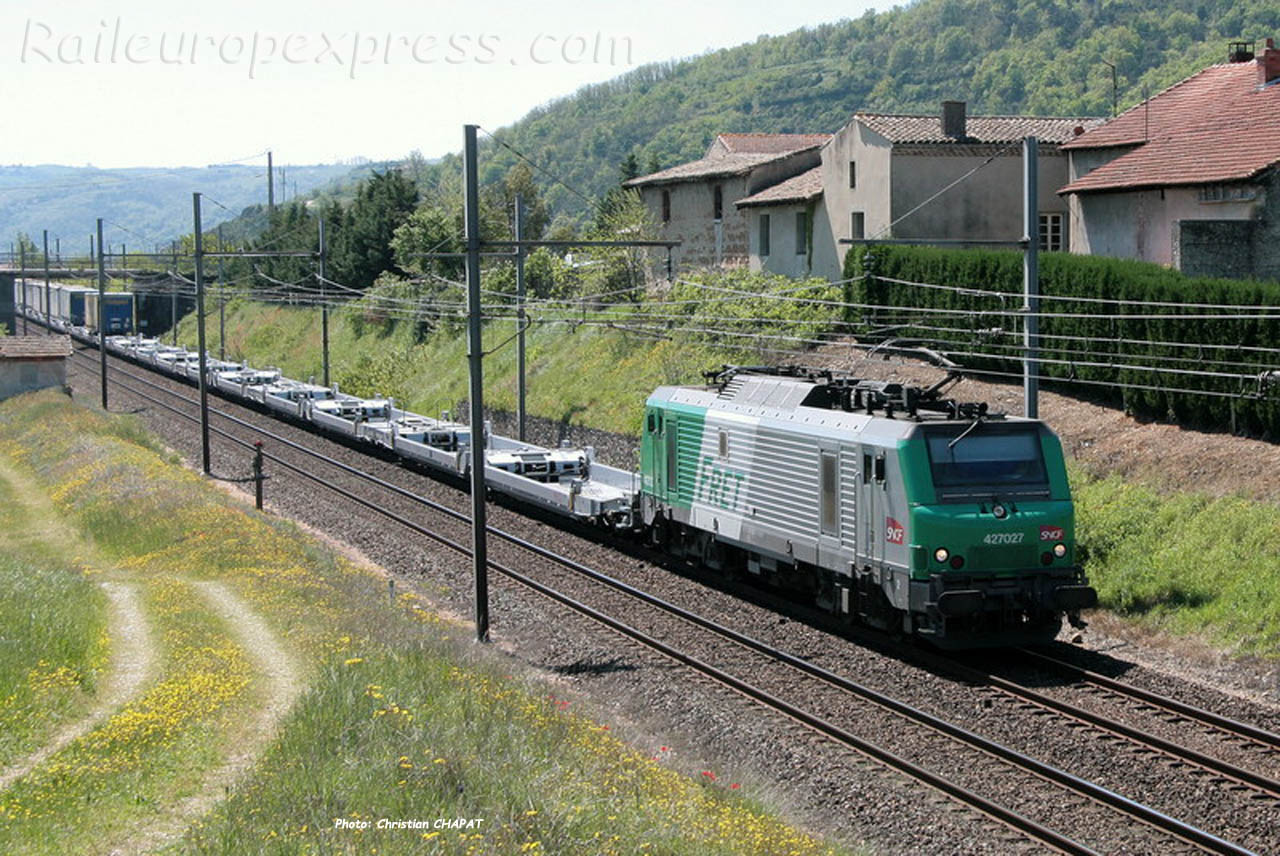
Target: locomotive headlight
[[941, 554], [1059, 550]]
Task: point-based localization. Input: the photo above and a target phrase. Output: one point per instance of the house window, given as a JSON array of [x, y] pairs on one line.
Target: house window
[[717, 203], [666, 206], [853, 174], [802, 233], [1227, 193], [1051, 232], [764, 235], [857, 225]]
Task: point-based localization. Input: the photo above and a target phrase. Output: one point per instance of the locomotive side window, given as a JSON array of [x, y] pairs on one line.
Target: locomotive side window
[[672, 458], [880, 471], [830, 494], [866, 469], [653, 423], [724, 443]]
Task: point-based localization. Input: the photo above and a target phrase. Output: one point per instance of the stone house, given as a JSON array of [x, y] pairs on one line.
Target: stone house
[[944, 176], [32, 362], [1190, 178], [695, 202]]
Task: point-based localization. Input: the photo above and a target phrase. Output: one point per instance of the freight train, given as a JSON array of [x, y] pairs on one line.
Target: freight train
[[886, 505], [75, 306]]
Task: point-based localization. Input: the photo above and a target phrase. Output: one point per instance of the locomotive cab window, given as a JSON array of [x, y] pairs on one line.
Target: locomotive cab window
[[1003, 457], [653, 423]]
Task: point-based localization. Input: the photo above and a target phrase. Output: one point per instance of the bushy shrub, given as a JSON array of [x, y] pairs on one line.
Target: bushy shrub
[[1198, 367]]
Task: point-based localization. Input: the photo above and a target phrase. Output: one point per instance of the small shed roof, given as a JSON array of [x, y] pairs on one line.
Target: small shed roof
[[800, 188], [35, 347]]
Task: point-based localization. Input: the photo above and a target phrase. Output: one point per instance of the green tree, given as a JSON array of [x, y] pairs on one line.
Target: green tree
[[362, 246], [519, 181]]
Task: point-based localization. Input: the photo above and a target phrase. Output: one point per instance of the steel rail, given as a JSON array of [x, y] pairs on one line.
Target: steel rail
[[1256, 781], [1234, 727]]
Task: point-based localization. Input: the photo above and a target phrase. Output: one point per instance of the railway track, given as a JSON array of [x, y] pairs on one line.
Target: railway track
[[1264, 784], [834, 711], [1166, 706]]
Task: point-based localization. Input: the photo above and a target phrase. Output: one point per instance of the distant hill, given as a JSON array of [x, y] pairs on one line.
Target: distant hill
[[1042, 57], [1046, 57], [153, 204]]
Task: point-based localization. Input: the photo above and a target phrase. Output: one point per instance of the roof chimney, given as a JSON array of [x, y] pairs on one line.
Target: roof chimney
[[1268, 64], [1240, 52], [953, 119]]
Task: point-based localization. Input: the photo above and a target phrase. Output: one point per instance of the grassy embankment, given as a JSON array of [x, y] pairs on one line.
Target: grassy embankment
[[1175, 561], [400, 718]]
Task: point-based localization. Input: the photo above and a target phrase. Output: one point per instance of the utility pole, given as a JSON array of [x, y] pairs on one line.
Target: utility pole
[[102, 328], [475, 353], [92, 258], [520, 388], [48, 293], [57, 250], [324, 304], [173, 294], [1031, 278], [271, 184], [1115, 104], [22, 274], [124, 256], [204, 392], [222, 301]]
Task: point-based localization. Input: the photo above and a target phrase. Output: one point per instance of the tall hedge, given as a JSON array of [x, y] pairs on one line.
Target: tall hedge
[[1115, 370]]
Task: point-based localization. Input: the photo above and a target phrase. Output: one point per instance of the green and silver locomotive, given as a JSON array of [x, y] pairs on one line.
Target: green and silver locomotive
[[888, 504]]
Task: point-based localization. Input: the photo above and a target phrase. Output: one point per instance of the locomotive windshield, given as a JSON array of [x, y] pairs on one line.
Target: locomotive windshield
[[986, 456]]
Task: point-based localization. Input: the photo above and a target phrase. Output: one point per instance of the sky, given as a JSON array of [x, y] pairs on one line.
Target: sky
[[146, 83]]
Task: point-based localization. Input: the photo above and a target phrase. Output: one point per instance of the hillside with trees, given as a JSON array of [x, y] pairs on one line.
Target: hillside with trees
[[1043, 57], [566, 158]]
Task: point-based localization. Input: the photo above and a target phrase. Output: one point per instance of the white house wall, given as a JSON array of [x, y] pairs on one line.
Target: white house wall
[[1140, 224], [987, 205], [872, 154], [818, 258]]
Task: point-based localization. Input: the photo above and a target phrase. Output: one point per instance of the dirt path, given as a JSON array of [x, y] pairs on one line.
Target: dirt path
[[132, 666], [279, 683], [132, 663]]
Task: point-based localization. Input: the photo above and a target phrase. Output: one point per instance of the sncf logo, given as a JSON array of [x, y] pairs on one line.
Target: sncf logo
[[1052, 533], [894, 532]]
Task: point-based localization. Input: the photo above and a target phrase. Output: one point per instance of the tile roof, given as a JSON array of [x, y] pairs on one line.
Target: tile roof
[[800, 188], [898, 128], [1214, 126], [769, 143], [734, 154], [34, 347], [713, 167]]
